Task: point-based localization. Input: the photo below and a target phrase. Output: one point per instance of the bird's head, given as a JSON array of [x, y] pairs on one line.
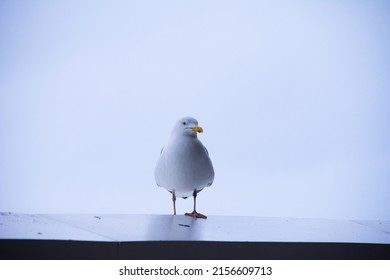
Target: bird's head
[[187, 126]]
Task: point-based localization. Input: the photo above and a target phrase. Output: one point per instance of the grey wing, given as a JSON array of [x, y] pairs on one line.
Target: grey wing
[[209, 183]]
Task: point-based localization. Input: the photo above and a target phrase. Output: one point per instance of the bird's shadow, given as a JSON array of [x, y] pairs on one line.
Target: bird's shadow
[[174, 227]]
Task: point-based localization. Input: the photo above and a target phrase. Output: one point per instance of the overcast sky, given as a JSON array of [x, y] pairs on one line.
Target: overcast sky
[[293, 97]]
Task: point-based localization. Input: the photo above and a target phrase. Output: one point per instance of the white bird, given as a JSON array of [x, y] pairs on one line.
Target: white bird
[[184, 167]]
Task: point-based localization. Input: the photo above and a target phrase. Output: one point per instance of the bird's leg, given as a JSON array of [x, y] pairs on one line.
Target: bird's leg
[[174, 202], [195, 214]]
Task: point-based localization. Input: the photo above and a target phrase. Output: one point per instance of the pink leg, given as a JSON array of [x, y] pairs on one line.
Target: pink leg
[[195, 214], [174, 202]]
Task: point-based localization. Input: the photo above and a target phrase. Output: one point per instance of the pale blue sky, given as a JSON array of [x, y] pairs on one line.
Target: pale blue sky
[[293, 97]]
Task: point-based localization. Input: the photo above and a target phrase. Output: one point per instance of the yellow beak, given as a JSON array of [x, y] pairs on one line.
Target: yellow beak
[[197, 129]]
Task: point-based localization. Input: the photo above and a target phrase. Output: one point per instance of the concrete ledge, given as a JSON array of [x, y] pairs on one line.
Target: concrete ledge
[[86, 236], [189, 250]]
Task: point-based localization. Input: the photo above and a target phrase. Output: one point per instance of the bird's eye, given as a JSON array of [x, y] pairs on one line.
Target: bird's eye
[[184, 123]]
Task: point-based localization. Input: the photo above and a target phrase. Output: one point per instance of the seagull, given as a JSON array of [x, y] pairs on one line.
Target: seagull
[[184, 167]]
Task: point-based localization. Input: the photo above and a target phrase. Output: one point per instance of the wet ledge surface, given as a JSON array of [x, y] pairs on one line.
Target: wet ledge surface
[[83, 236]]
